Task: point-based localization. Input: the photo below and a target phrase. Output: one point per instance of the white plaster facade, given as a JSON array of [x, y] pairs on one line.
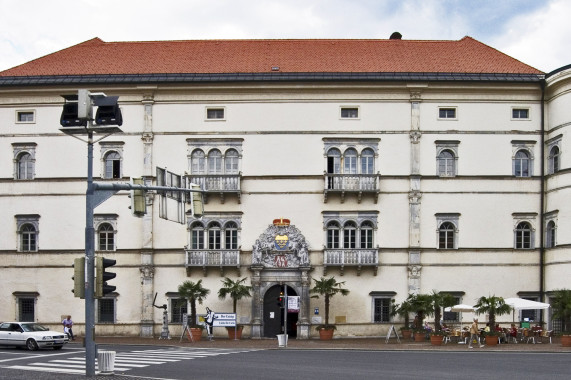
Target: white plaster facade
[[282, 130]]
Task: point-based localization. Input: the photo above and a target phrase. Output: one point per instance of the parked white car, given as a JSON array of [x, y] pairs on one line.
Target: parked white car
[[31, 335]]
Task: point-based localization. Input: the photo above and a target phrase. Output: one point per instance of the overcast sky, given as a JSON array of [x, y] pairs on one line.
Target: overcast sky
[[534, 31]]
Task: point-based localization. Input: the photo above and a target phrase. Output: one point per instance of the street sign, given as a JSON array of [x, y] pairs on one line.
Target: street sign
[[224, 320]]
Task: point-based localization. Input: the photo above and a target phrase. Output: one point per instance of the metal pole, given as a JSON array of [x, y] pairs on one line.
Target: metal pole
[[285, 314], [89, 262]]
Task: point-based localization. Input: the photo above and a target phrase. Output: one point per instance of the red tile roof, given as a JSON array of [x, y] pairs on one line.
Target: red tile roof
[[96, 57]]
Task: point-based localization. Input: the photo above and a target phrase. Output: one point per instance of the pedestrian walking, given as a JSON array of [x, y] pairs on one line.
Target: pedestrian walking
[[474, 334], [67, 327]]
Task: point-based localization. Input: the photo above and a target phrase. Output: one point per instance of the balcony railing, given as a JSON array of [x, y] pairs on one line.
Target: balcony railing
[[207, 258], [217, 183], [351, 257], [352, 183]]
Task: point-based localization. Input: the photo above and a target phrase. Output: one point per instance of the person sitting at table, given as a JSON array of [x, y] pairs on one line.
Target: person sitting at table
[[537, 327], [487, 328], [513, 332], [498, 328]]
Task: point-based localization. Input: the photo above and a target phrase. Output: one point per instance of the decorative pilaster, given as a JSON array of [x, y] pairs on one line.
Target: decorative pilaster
[[147, 274]]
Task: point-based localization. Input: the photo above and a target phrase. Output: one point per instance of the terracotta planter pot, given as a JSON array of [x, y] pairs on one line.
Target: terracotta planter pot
[[436, 340], [419, 337], [235, 334], [406, 334], [491, 340], [196, 334], [566, 340], [326, 334]]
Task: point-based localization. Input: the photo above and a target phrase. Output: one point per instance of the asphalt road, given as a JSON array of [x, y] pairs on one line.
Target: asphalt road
[[159, 362]]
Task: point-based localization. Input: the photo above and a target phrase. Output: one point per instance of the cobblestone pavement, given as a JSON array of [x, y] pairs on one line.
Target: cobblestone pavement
[[338, 343]]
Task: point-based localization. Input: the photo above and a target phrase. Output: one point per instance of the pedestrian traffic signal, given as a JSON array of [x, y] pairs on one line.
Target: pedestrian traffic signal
[[102, 276], [108, 111], [281, 300], [78, 277], [69, 115], [138, 199]]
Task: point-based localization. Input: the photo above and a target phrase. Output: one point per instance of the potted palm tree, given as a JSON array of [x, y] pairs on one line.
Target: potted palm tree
[[236, 290], [327, 288], [423, 306], [439, 300], [561, 304], [493, 306], [193, 291], [403, 309]]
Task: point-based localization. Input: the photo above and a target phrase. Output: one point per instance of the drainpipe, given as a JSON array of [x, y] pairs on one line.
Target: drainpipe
[[542, 203]]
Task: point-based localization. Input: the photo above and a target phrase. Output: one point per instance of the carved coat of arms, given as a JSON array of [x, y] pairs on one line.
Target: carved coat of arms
[[281, 246]]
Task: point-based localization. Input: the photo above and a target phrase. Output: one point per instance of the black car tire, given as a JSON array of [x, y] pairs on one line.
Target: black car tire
[[31, 345]]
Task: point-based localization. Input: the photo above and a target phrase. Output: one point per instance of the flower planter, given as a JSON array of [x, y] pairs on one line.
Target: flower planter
[[235, 333], [326, 334], [406, 334], [566, 340], [419, 337], [196, 334], [436, 340], [491, 340]]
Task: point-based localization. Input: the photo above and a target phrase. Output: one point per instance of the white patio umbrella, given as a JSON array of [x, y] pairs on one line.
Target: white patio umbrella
[[523, 304], [460, 309]]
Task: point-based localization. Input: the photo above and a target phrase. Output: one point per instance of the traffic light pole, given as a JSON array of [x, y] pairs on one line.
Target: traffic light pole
[[89, 264]]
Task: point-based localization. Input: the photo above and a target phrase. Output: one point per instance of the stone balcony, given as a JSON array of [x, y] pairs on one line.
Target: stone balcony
[[221, 184], [358, 258], [212, 258], [358, 184]]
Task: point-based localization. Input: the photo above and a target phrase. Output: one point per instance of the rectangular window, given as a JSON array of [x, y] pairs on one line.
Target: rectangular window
[[520, 113], [25, 117], [332, 238], [197, 239], [214, 239], [382, 309], [106, 310], [450, 316], [447, 113], [215, 113], [350, 239], [178, 308], [349, 112], [231, 239], [26, 309]]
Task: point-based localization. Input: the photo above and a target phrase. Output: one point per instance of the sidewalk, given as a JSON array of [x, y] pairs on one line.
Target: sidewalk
[[339, 343]]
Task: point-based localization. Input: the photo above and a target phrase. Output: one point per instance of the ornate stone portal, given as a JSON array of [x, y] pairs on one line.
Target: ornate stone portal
[[280, 256]]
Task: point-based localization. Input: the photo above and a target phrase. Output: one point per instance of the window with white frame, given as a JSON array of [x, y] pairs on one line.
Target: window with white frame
[[215, 113], [215, 156], [551, 228], [381, 307], [447, 230], [25, 116], [28, 232], [523, 230], [106, 229], [553, 146], [350, 230], [215, 232], [522, 160], [350, 163], [111, 159], [447, 113], [24, 160], [519, 113], [349, 112], [178, 307], [446, 158], [106, 310]]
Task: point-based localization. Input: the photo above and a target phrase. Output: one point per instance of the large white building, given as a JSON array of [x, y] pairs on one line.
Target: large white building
[[402, 167]]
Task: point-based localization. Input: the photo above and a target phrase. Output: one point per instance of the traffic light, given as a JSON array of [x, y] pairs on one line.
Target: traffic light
[[102, 276], [281, 300], [69, 115], [78, 277], [138, 200], [197, 205], [108, 111]]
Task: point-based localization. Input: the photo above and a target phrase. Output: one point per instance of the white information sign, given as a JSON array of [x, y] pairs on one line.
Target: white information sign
[[293, 304], [224, 320]]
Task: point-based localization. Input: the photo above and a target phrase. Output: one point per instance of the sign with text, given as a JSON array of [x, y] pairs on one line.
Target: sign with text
[[224, 320], [293, 304]]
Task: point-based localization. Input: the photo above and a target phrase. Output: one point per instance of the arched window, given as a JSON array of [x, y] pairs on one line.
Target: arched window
[[197, 162], [367, 161], [106, 237], [350, 235], [350, 161], [214, 236], [333, 235], [554, 160], [197, 236], [231, 162], [28, 236], [522, 164], [214, 162], [112, 165], [25, 168], [366, 235], [446, 163], [550, 234], [446, 235], [523, 236], [231, 235]]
